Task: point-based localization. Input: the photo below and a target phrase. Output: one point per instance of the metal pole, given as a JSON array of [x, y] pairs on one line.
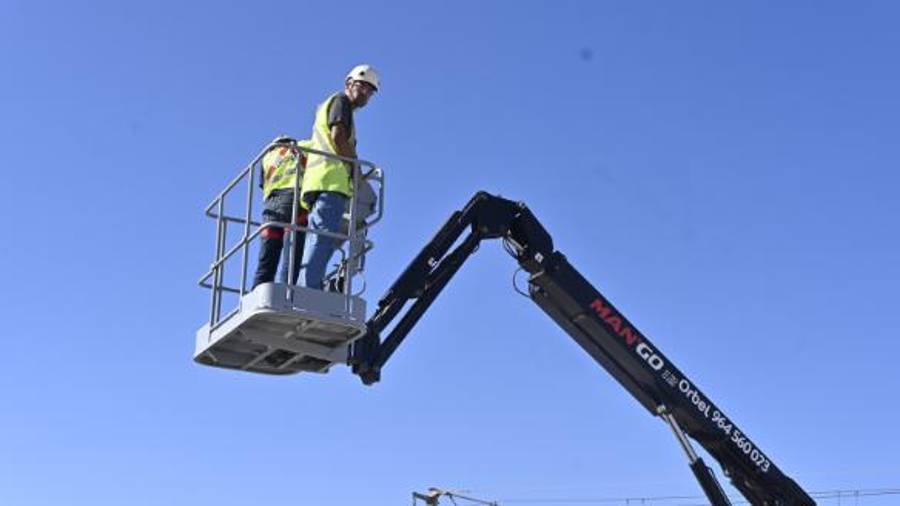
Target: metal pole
[[220, 272], [245, 240], [351, 232], [704, 475], [295, 208], [217, 268], [215, 272], [680, 435]]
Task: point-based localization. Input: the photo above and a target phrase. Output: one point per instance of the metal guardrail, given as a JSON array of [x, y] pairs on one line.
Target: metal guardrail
[[353, 244]]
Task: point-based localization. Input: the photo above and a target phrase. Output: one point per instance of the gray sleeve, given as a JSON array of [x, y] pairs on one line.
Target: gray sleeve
[[340, 111]]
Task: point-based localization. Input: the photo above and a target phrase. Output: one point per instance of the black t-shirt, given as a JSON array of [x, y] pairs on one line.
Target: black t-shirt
[[341, 111]]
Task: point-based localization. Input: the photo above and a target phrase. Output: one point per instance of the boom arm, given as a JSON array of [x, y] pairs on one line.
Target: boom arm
[[594, 323]]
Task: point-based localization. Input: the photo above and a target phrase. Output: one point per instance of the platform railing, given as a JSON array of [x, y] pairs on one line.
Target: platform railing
[[353, 245]]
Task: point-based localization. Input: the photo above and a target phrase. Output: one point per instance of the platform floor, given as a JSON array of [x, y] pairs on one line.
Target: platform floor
[[273, 335]]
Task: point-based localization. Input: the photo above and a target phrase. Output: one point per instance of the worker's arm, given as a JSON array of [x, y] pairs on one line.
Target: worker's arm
[[340, 134], [340, 119]]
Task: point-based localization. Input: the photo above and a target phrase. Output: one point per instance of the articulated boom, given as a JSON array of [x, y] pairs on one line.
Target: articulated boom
[[595, 324]]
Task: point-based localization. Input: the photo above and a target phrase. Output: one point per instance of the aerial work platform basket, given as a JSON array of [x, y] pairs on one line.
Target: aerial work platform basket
[[279, 327]]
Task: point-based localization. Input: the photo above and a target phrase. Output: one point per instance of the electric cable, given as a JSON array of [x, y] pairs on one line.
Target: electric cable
[[518, 290], [511, 250], [649, 501]]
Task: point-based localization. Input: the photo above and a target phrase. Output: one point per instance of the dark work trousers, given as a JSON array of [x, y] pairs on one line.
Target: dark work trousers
[[278, 207]]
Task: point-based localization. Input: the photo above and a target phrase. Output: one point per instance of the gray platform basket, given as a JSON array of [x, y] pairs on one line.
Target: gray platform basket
[[277, 328], [274, 335]]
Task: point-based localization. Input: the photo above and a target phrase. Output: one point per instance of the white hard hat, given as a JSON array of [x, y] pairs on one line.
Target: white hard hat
[[365, 73]]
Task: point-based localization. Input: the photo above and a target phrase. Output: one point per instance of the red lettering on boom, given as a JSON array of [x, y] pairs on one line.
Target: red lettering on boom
[[615, 321], [631, 337], [601, 310]]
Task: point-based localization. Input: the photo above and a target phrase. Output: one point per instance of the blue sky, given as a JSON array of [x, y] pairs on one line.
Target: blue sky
[[725, 174]]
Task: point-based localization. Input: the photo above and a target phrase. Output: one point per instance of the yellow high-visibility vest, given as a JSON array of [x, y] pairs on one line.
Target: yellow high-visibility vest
[[281, 165], [322, 173]]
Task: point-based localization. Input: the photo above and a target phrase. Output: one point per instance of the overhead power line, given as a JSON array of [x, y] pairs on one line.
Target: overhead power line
[[700, 500]]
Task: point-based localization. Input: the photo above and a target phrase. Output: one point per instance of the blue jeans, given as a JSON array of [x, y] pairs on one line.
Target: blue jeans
[[326, 214]]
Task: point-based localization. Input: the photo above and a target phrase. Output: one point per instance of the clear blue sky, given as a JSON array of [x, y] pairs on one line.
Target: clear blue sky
[[727, 175]]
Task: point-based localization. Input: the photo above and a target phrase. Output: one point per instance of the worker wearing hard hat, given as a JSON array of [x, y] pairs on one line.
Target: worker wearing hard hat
[[282, 164], [327, 182]]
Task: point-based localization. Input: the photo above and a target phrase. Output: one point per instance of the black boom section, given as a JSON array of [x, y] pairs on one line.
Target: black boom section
[[595, 324], [484, 217], [616, 344]]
